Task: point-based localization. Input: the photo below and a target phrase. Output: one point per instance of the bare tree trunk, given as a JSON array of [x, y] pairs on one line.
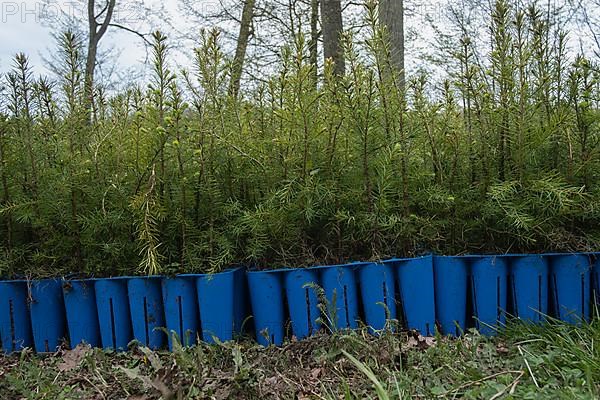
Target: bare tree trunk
[[314, 38], [331, 13], [242, 46], [391, 15], [96, 31]]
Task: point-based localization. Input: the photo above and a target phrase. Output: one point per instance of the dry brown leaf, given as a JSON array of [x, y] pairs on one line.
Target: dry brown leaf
[[426, 341], [157, 383], [316, 373], [72, 358], [502, 349]]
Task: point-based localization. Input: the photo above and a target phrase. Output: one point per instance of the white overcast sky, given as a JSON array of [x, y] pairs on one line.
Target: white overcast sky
[[26, 26]]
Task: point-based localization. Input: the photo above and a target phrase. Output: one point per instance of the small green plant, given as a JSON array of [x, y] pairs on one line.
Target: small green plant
[[328, 317], [147, 209]]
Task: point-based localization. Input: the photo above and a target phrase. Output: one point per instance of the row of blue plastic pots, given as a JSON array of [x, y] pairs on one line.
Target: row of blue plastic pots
[[449, 294], [112, 312], [341, 296], [528, 287]]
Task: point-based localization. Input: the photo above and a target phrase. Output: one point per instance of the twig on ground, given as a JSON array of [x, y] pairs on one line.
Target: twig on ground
[[478, 381], [528, 367], [512, 387]]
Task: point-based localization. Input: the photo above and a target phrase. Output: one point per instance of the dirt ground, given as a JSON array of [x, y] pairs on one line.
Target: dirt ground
[[349, 365]]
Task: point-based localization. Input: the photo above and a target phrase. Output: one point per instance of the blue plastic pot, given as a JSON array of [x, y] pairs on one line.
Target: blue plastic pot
[[570, 287], [303, 302], [489, 293], [113, 313], [15, 322], [378, 295], [82, 312], [339, 284], [266, 296], [181, 309], [451, 275], [528, 287], [219, 301], [147, 311], [48, 320], [416, 290]]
